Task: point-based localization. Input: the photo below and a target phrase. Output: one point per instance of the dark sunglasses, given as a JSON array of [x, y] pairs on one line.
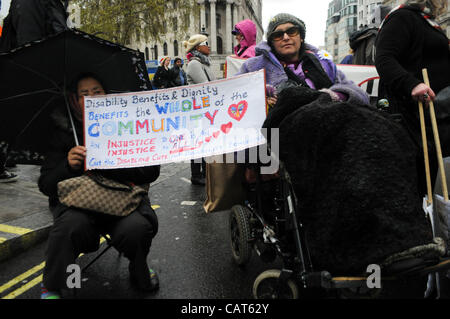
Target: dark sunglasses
[[291, 32]]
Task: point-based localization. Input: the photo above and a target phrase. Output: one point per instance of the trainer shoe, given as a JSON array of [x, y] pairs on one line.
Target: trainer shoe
[[149, 282], [8, 177], [198, 180], [45, 294]]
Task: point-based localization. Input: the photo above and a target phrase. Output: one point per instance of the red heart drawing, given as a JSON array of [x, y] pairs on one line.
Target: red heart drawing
[[207, 139], [226, 127], [237, 111], [215, 134]]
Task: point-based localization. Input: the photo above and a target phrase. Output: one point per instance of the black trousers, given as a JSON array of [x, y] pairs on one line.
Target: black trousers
[[198, 169], [78, 231]]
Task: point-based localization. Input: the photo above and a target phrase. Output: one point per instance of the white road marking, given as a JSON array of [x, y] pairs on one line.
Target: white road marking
[[184, 179], [188, 203]]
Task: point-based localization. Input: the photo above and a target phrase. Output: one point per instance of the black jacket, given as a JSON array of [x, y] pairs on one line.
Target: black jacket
[[56, 167], [406, 44], [30, 20], [162, 78], [176, 79]]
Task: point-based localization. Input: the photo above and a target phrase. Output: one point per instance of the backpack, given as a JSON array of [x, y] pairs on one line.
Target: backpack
[[362, 43]]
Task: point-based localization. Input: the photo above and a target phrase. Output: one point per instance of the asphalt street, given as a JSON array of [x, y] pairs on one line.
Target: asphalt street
[[191, 253]]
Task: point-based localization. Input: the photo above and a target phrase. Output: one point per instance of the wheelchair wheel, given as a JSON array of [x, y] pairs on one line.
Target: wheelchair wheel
[[267, 286], [240, 234]]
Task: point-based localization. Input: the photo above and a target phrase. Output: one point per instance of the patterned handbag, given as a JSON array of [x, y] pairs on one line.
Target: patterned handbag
[[97, 193]]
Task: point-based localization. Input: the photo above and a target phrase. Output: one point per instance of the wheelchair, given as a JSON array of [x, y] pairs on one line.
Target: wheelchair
[[269, 224]]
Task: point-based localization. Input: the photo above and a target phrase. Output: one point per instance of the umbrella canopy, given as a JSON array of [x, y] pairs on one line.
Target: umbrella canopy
[[35, 78]]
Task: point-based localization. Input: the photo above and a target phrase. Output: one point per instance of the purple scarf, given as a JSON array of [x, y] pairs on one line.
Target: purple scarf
[[298, 71]]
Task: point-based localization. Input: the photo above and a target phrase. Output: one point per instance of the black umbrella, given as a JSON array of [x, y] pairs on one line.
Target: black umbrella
[[35, 78]]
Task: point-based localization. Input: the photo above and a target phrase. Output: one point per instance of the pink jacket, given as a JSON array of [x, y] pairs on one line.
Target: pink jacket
[[246, 49]]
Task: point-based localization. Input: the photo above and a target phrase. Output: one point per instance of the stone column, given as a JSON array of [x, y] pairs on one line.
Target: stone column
[[229, 26], [202, 14], [237, 3], [213, 33]]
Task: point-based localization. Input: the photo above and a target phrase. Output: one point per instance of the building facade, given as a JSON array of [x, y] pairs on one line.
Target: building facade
[[347, 16], [217, 19], [342, 21], [366, 10]]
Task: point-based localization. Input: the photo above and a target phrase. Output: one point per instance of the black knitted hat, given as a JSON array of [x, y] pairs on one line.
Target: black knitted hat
[[282, 18]]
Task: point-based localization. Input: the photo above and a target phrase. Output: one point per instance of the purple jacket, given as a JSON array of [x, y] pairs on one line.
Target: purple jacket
[[275, 74], [246, 49]]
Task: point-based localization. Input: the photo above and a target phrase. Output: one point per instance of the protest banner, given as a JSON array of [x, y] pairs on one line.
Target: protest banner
[[232, 65], [364, 76], [176, 124]]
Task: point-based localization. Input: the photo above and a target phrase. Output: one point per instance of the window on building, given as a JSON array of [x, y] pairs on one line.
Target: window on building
[[175, 48], [146, 54], [138, 35], [219, 45], [218, 21], [165, 51], [175, 24], [155, 52]]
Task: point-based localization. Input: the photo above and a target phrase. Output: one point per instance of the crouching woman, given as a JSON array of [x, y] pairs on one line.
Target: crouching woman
[[77, 230]]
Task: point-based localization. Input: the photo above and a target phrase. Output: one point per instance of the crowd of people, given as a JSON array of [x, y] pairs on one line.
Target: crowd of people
[[408, 40]]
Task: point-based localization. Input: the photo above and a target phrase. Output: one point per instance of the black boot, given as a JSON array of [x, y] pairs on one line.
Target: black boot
[[196, 174], [143, 277]]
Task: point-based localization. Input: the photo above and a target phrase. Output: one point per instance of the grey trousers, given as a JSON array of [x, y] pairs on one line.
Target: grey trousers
[[78, 231]]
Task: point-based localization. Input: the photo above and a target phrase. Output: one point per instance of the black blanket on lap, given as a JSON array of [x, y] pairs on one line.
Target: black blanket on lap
[[354, 172]]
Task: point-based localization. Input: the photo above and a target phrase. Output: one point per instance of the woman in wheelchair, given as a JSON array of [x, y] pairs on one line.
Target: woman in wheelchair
[[274, 221]]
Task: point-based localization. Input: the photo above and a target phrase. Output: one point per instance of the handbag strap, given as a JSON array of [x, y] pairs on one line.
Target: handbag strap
[[102, 181]]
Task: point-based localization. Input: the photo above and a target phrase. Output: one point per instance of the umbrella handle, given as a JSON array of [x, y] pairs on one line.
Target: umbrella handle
[[436, 140], [71, 120], [425, 153]]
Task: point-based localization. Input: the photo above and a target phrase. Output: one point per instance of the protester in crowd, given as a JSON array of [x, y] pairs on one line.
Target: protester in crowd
[[5, 175], [163, 76], [178, 74], [78, 230], [198, 71], [29, 20], [408, 41], [362, 42], [289, 61], [245, 33], [348, 59]]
